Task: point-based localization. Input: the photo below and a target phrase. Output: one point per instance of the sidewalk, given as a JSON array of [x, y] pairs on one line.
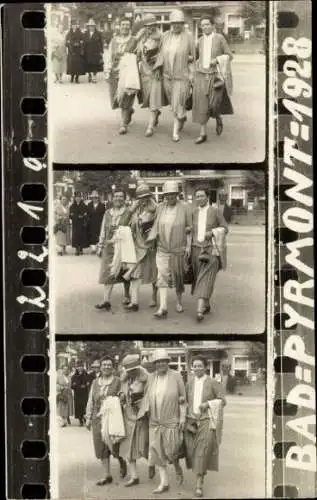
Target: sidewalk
[[255, 58], [240, 229]]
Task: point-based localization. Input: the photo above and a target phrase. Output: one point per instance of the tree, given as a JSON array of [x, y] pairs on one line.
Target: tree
[[99, 11], [255, 182], [89, 351], [256, 351], [103, 182], [253, 11]]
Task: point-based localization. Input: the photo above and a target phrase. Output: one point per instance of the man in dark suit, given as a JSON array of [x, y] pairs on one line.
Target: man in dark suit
[[207, 256]]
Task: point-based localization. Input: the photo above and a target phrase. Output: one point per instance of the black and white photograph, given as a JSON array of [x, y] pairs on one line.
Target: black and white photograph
[[150, 251], [173, 419], [157, 82]]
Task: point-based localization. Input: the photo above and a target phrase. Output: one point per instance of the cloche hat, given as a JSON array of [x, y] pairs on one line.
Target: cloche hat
[[130, 362], [142, 191], [160, 355], [94, 194], [177, 16], [170, 187], [91, 22], [149, 20]]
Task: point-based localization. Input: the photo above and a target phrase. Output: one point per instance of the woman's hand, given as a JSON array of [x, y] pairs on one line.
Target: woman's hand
[[213, 62], [208, 235], [88, 424], [187, 252], [204, 407]]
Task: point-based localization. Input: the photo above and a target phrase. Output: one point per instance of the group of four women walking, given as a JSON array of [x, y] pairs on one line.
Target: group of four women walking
[[164, 420]]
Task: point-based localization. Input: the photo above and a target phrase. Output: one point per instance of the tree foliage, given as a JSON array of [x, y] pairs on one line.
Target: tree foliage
[[256, 351], [255, 182], [90, 351], [99, 11], [253, 11], [103, 182]]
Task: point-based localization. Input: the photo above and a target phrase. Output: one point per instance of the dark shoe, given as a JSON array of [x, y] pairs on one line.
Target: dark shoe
[[151, 471], [200, 317], [60, 253], [160, 314], [126, 301], [130, 116], [105, 305], [123, 468], [132, 482], [182, 123], [123, 130], [77, 252], [132, 307], [153, 303], [106, 480], [219, 125], [161, 489], [89, 78], [81, 423], [207, 310], [201, 139], [68, 421]]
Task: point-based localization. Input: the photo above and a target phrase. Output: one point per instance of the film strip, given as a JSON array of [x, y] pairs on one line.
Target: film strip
[[25, 211], [294, 431]]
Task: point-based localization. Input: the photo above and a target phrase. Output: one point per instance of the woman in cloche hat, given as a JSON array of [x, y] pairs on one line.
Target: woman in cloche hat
[[93, 51], [172, 233], [165, 403], [142, 221], [136, 443], [177, 54]]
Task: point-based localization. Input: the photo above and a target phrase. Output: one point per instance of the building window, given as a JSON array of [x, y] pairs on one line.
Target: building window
[[241, 368], [237, 197]]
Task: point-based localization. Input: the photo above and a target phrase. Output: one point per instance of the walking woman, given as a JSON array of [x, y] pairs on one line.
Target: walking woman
[[75, 52], [59, 53], [61, 227], [104, 386], [63, 395], [93, 51], [204, 421], [119, 45], [151, 75], [136, 443], [172, 233], [177, 54], [165, 402], [118, 215], [207, 257], [145, 271], [78, 214], [210, 96], [80, 383]]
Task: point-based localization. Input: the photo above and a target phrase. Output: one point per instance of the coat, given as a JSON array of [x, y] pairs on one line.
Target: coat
[[80, 384], [63, 395], [78, 215], [93, 52], [95, 216], [75, 52], [61, 226], [214, 220]]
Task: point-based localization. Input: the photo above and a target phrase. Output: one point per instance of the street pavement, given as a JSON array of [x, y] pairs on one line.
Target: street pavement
[[241, 473], [84, 128], [238, 303]]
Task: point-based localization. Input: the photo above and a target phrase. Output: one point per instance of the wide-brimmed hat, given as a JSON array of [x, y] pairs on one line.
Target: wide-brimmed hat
[[91, 22], [95, 364], [142, 191], [131, 362], [149, 20], [160, 355], [94, 194], [177, 16], [170, 187]]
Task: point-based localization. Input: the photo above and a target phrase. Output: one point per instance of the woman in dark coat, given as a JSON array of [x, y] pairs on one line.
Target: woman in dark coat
[[75, 52], [96, 210], [80, 384], [93, 51], [78, 214]]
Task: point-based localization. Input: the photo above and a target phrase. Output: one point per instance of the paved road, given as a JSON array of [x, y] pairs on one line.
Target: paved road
[[238, 302], [242, 462], [84, 129]]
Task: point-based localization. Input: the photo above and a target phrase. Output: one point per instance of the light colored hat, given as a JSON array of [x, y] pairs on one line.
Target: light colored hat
[[142, 191], [91, 22], [149, 20], [96, 364], [130, 362], [94, 194], [170, 187], [177, 16], [160, 355]]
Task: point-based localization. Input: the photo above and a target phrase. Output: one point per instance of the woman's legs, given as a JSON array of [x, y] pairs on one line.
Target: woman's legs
[[199, 485], [127, 297], [134, 479], [162, 310], [179, 473], [164, 484], [154, 295], [135, 290], [153, 121], [175, 137], [179, 304]]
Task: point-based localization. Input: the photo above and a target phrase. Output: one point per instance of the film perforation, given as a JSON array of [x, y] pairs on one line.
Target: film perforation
[[33, 277], [284, 364], [32, 406], [33, 320], [285, 491], [283, 408], [34, 449], [33, 19], [33, 192], [31, 363], [32, 235], [33, 149], [33, 106], [33, 63], [281, 449], [35, 491]]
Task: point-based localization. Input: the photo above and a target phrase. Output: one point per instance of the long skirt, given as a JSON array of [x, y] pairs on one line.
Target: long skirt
[[127, 100], [61, 239], [177, 92], [170, 270], [165, 443], [101, 449], [151, 91], [205, 274], [105, 277], [59, 64], [202, 91], [146, 268], [63, 409], [201, 449], [136, 444]]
